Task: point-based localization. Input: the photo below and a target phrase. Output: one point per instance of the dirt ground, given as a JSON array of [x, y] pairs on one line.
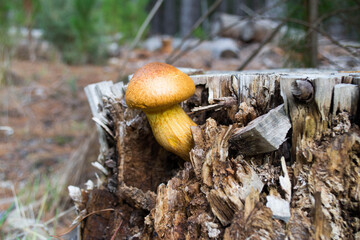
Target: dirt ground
[[48, 111], [45, 105]]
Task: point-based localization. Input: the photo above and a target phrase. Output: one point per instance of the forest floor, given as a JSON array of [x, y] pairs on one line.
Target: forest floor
[[46, 107]]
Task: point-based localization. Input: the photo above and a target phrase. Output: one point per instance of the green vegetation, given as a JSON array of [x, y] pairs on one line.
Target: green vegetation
[[5, 41], [74, 27], [79, 29], [125, 17], [26, 217]]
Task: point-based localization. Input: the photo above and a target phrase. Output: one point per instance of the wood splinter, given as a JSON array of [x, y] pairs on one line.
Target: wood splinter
[[264, 134], [222, 103]]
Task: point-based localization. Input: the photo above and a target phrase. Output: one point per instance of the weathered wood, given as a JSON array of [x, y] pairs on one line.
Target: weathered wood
[[280, 208], [264, 134], [284, 181], [222, 103], [94, 96], [226, 186], [346, 98], [311, 122], [137, 198], [311, 119]]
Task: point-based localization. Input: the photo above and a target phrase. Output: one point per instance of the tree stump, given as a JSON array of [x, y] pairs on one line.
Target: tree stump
[[301, 181]]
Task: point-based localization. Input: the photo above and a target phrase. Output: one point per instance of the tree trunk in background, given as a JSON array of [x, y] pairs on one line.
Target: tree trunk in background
[[254, 4], [185, 16], [170, 16], [28, 7], [156, 22], [223, 6], [206, 24], [189, 13], [312, 41], [196, 10], [237, 7]]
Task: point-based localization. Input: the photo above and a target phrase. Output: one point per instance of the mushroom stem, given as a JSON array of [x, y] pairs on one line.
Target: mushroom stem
[[171, 128]]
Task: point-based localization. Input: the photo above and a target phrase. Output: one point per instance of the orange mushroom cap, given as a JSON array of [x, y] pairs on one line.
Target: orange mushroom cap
[[157, 86]]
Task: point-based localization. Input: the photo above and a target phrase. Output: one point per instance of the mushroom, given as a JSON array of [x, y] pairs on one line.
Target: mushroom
[[157, 89]]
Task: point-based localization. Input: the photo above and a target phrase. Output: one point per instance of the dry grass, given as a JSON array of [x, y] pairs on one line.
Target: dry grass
[[41, 208], [52, 140]]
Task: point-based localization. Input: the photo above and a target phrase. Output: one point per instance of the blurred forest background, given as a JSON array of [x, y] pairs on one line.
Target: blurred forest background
[[50, 50]]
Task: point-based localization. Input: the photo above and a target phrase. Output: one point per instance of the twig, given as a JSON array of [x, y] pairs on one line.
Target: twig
[[141, 31], [194, 27], [331, 61], [87, 215], [223, 103], [263, 43], [247, 10], [59, 216], [174, 57], [311, 26], [335, 12], [146, 23], [352, 46], [306, 24], [116, 230]]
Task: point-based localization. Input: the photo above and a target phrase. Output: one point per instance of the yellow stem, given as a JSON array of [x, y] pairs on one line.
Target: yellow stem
[[171, 128]]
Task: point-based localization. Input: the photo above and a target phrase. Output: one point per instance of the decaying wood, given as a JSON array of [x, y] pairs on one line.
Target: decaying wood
[[279, 207], [227, 184], [223, 193], [346, 98], [137, 197], [309, 120], [222, 103], [264, 134]]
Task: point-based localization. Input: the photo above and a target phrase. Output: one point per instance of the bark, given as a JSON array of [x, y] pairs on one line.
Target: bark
[[312, 39], [224, 193], [170, 17], [189, 14], [156, 26]]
